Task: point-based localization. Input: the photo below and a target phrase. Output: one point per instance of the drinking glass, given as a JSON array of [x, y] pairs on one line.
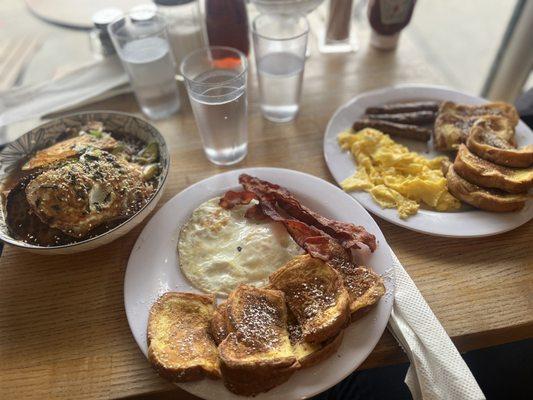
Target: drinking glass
[[144, 50], [287, 6], [280, 41], [215, 78]]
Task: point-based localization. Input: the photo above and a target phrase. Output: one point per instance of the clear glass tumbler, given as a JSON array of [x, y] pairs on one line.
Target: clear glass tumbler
[[215, 78], [280, 41], [144, 50]]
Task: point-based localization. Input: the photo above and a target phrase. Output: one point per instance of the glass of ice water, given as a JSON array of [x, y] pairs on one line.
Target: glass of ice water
[[215, 78], [280, 41], [144, 50]]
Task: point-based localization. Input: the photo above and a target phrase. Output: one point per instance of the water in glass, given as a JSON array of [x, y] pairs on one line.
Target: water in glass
[[151, 68], [220, 113], [280, 82]]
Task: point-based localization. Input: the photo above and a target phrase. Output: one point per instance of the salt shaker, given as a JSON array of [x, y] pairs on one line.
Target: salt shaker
[[101, 44], [142, 12], [184, 22]]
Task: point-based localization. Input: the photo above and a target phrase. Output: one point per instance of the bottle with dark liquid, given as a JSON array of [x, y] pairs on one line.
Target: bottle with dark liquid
[[387, 19], [227, 24]]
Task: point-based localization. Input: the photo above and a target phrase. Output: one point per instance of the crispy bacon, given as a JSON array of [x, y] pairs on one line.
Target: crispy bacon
[[310, 231], [348, 235], [317, 243], [255, 212], [232, 199]]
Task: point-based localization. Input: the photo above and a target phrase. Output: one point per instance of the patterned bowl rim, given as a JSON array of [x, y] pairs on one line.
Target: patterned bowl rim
[[160, 186]]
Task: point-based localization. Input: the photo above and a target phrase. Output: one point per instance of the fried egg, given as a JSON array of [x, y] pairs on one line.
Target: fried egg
[[220, 249]]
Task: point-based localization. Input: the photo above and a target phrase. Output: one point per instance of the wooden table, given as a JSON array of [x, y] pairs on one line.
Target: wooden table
[[63, 329]]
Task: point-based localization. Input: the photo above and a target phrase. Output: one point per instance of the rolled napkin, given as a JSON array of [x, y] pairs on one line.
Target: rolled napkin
[[74, 88], [437, 370]]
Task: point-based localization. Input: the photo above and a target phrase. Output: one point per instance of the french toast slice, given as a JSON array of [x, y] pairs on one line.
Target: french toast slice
[[454, 121], [487, 174], [180, 347], [485, 199], [256, 355], [219, 323], [309, 354], [364, 286], [499, 108], [315, 294], [487, 144]]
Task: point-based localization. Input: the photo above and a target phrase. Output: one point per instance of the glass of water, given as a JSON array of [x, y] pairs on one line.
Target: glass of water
[[280, 41], [215, 78], [143, 48]]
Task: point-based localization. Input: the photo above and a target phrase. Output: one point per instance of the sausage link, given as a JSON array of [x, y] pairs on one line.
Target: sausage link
[[391, 128], [404, 107], [410, 118]]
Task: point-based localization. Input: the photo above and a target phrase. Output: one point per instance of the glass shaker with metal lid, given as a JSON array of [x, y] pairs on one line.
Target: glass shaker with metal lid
[[101, 44], [143, 12], [185, 28]]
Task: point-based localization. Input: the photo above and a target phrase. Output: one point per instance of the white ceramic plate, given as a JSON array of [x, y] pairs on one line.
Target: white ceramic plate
[[153, 269], [466, 222]]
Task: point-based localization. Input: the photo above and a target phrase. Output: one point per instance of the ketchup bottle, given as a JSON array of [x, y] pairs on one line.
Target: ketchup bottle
[[227, 24], [387, 18]]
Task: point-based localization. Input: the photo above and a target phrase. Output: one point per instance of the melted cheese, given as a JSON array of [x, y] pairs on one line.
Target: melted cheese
[[394, 176]]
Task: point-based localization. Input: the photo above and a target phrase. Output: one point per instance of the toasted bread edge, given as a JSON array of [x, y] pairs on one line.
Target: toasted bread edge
[[180, 374]]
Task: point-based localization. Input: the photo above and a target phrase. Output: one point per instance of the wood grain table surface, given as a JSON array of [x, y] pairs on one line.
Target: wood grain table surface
[[63, 328]]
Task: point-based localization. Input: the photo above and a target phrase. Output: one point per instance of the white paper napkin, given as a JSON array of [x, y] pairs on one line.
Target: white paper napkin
[[73, 88], [437, 369]]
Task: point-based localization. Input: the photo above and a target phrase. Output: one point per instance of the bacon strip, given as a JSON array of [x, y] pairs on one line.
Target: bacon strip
[[349, 235], [317, 243], [255, 212], [232, 199]]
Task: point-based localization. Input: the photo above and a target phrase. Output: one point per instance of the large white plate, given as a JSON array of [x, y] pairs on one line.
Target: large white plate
[[153, 269], [466, 222]]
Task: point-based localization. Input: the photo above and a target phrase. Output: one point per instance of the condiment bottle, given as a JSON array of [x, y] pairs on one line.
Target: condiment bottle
[[101, 44], [184, 24], [387, 18], [227, 24]]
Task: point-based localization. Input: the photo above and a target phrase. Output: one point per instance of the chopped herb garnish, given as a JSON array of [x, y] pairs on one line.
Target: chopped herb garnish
[[96, 134]]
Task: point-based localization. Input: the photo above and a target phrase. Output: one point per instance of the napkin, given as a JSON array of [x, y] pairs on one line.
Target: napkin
[[437, 369], [74, 88]]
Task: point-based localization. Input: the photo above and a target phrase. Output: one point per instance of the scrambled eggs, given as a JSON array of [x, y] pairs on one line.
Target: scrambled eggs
[[394, 176]]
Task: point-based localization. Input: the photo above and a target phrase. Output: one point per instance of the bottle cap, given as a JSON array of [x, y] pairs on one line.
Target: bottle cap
[[384, 42], [105, 16], [143, 12]]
